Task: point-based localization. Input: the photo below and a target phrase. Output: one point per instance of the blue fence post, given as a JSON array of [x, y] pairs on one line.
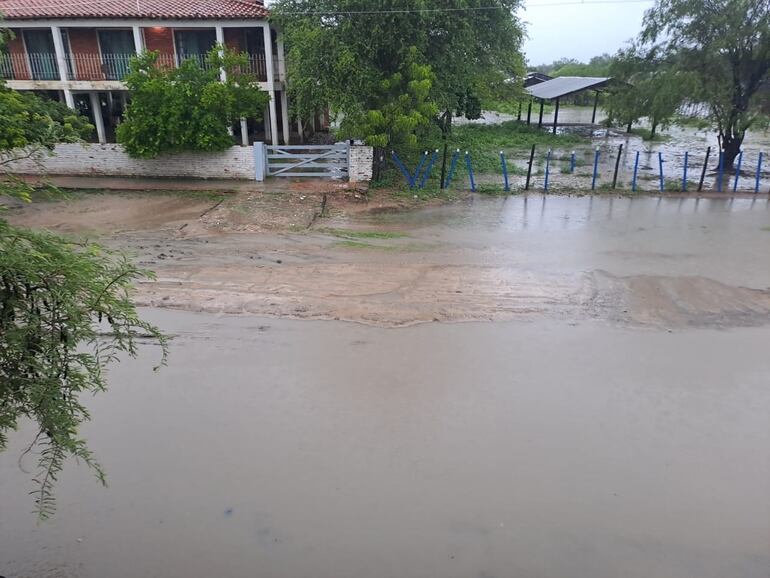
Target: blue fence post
[[721, 175], [636, 171], [660, 165], [596, 168], [738, 171], [572, 162], [452, 167], [684, 173], [759, 173], [419, 167], [547, 168], [426, 174], [506, 188], [403, 169], [470, 171]]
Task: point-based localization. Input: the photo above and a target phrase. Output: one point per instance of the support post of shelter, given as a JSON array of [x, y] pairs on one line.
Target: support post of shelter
[[540, 118], [529, 111], [596, 103], [556, 116]]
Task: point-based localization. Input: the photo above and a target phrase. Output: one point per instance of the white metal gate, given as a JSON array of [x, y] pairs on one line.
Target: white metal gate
[[320, 161]]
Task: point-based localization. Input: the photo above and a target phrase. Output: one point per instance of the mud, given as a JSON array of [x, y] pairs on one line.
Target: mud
[[609, 416], [282, 448], [661, 262]]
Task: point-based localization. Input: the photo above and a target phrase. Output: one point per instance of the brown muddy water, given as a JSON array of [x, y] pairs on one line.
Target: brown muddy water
[[608, 418]]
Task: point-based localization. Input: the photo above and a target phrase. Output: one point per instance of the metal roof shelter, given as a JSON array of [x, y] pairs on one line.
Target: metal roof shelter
[[561, 86]]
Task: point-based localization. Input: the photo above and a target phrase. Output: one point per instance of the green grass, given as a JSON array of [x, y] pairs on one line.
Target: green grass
[[349, 234], [65, 194], [645, 134], [406, 247]]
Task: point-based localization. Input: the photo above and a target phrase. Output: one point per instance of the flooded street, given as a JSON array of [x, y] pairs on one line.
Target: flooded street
[[601, 412]]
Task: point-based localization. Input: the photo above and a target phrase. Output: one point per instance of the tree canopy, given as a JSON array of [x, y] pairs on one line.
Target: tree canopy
[[724, 48], [187, 108], [346, 55], [651, 88]]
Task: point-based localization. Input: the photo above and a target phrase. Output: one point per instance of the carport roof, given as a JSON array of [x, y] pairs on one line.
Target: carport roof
[[566, 85]]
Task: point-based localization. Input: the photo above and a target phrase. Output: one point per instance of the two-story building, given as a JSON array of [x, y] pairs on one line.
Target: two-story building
[[78, 51]]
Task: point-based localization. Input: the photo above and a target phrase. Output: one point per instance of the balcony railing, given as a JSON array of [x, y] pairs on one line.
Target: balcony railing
[[103, 66]]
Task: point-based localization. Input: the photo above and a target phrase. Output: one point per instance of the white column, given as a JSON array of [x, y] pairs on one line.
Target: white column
[[267, 123], [221, 41], [281, 58], [138, 40], [270, 82], [61, 63], [285, 116], [244, 132], [96, 108]]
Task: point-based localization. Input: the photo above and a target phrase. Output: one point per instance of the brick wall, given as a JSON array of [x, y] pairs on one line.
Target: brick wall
[[360, 164], [160, 39], [234, 39], [85, 49], [19, 60], [112, 160]]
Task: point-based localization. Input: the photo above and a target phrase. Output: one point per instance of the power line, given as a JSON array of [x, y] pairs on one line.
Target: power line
[[9, 6]]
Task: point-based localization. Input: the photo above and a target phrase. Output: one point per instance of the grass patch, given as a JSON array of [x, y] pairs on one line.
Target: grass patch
[[47, 194], [645, 134], [349, 234], [405, 248], [766, 229]]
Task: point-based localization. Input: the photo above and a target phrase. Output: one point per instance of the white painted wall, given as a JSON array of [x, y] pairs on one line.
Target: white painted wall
[[111, 160]]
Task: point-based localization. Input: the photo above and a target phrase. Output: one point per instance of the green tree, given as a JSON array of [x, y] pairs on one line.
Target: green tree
[[30, 126], [400, 107], [187, 108], [647, 88], [65, 308], [340, 52], [725, 46]]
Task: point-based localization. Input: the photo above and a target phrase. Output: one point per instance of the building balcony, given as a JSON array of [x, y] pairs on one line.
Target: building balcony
[[98, 67]]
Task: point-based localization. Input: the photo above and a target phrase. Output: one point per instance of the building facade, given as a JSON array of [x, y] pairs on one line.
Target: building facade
[[78, 51]]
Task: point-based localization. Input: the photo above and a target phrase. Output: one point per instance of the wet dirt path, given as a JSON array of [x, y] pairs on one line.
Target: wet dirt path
[[283, 448], [665, 262], [611, 419]]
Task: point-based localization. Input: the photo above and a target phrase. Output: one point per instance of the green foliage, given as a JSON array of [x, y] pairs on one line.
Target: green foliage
[[65, 314], [650, 87], [597, 66], [400, 108], [341, 51], [724, 47], [29, 120], [187, 108], [30, 126]]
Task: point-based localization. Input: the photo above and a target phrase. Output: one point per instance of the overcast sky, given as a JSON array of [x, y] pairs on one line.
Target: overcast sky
[[578, 31]]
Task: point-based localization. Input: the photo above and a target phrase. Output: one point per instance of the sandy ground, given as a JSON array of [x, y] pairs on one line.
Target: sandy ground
[[377, 260]]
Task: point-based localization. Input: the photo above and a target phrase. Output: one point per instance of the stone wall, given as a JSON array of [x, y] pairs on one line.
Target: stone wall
[[111, 160], [360, 166]]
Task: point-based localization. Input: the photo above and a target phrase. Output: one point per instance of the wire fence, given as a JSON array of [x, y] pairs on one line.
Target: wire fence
[[590, 169]]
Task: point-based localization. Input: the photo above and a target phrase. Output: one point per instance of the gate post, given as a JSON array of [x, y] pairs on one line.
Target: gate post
[[360, 163], [260, 161]]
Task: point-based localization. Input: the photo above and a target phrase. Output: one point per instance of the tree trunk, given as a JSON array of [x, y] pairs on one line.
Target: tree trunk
[[731, 147], [379, 160], [652, 130]]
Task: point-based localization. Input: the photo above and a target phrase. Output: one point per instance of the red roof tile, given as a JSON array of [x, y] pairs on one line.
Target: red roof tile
[[141, 9]]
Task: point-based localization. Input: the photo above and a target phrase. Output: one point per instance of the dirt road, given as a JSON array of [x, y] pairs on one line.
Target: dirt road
[[603, 411], [668, 262]]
